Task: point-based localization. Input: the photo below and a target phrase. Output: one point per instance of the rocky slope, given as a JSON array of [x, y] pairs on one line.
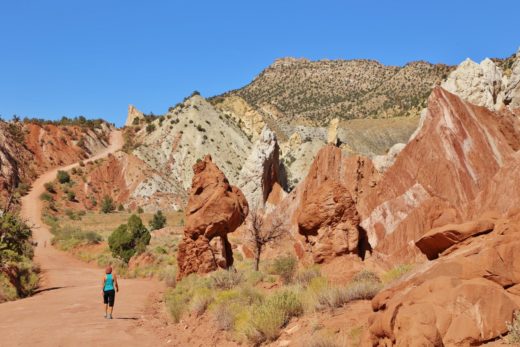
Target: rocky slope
[[32, 147], [314, 92]]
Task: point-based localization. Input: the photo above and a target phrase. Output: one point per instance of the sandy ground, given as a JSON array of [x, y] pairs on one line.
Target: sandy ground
[[68, 309]]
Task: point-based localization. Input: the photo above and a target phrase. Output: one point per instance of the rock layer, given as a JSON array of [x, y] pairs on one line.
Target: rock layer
[[215, 208], [261, 171]]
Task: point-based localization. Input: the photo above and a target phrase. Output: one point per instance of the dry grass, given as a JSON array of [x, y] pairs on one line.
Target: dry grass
[[513, 328], [104, 224]]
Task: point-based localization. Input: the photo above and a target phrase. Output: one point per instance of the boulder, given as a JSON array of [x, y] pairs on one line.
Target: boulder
[[439, 239], [480, 84], [460, 299], [326, 215], [215, 208]]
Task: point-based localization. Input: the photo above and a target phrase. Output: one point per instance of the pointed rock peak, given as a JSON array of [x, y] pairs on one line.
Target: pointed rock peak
[[133, 113], [261, 171], [332, 132]]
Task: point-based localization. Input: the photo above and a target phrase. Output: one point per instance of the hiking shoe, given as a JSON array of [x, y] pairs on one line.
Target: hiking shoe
[[109, 316]]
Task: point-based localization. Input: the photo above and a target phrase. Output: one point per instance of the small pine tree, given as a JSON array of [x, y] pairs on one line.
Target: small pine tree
[[63, 177], [107, 205], [158, 221], [129, 239]]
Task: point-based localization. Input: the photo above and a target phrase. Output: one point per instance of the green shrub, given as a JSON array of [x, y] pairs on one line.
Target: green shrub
[[50, 187], [273, 314], [285, 267], [140, 210], [16, 253], [67, 237], [63, 177], [120, 208], [71, 196], [150, 128], [158, 221], [23, 188], [129, 239], [46, 197], [107, 204]]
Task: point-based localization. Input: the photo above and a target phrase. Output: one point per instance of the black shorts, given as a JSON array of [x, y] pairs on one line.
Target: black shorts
[[108, 297]]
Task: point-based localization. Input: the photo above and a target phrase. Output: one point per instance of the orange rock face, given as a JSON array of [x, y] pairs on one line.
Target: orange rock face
[[215, 208], [454, 155], [463, 298]]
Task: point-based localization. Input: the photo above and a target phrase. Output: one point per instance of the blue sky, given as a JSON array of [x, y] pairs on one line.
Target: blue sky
[[94, 57]]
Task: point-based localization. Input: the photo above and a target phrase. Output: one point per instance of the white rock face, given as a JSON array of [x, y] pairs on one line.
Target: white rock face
[[133, 113], [480, 84], [261, 169], [384, 162], [512, 90], [332, 132]]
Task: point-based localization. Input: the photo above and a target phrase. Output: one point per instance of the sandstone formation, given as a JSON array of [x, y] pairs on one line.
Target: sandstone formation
[[215, 208], [455, 153], [332, 132], [512, 90], [463, 298], [134, 116], [261, 171], [439, 239], [480, 84]]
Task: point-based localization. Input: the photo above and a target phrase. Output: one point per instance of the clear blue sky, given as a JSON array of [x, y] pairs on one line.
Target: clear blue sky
[[94, 57]]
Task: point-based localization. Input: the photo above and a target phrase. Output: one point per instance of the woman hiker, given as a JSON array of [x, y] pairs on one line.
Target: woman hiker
[[109, 294]]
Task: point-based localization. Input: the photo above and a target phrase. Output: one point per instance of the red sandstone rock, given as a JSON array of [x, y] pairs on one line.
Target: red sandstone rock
[[450, 161], [215, 208], [462, 298], [439, 239]]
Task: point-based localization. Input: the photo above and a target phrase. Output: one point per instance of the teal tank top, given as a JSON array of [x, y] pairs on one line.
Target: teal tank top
[[109, 282]]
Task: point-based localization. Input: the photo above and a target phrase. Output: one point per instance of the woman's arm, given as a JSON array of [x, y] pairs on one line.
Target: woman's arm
[[103, 284], [115, 282]]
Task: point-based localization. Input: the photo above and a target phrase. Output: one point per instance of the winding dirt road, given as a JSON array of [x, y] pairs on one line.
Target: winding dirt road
[[68, 309]]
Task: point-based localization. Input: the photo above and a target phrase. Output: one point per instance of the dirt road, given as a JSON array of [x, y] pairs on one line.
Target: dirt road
[[68, 310]]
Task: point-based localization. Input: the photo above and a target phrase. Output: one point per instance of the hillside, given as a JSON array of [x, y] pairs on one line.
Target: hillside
[[299, 91]]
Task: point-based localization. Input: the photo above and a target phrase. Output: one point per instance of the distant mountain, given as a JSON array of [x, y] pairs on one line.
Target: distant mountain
[[314, 92]]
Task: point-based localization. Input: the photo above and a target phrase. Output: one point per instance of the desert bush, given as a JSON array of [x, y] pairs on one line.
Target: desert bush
[[268, 317], [226, 279], [158, 221], [331, 297], [305, 276], [323, 340], [168, 275], [120, 208], [513, 328], [364, 290], [129, 239], [285, 267], [178, 298], [200, 302], [150, 128], [366, 276], [46, 197], [140, 210], [107, 204], [50, 187], [397, 272], [71, 196], [224, 316], [63, 177]]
